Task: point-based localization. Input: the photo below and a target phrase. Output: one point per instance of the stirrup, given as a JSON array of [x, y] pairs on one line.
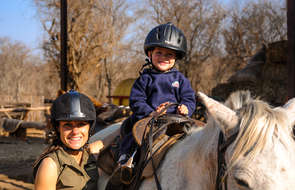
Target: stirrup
[[126, 173]]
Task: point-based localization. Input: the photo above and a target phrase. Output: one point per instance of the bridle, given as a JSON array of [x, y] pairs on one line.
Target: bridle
[[221, 179]]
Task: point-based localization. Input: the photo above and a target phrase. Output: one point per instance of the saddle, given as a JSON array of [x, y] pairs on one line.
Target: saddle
[[154, 136], [157, 135]]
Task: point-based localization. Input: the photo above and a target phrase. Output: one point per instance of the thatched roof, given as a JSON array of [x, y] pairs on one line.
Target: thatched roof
[[265, 75], [122, 92], [124, 87]]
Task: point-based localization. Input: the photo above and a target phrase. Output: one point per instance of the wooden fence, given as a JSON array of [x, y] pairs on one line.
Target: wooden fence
[[34, 105]]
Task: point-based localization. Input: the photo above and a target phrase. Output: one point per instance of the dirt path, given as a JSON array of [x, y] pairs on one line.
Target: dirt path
[[16, 159]]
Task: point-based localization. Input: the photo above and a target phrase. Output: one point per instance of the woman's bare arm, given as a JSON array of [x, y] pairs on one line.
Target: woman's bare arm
[[46, 177]]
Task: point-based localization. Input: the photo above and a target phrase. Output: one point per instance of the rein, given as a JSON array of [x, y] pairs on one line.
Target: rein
[[221, 179], [150, 124]]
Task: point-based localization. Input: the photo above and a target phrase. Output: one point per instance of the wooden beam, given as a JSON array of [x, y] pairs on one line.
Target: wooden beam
[[291, 48], [64, 45], [11, 125], [45, 108]]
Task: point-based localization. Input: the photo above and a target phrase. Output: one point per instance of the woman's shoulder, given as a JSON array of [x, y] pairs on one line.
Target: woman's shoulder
[[49, 163], [47, 158], [47, 174]]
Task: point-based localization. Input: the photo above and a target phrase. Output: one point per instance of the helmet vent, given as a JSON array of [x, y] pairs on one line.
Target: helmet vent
[[158, 33], [179, 40], [170, 32], [75, 107]]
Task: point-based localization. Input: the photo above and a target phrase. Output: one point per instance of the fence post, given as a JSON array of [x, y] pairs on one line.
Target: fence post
[[291, 47]]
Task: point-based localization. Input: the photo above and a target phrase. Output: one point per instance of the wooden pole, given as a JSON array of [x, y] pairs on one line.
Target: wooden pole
[[63, 44], [291, 47]]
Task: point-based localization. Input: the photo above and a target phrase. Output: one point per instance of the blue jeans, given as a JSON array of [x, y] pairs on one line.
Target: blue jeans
[[127, 145]]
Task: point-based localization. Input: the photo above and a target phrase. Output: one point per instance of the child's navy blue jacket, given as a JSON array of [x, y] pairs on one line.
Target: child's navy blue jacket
[[153, 88]]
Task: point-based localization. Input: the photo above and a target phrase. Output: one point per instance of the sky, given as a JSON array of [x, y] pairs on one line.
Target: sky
[[18, 22]]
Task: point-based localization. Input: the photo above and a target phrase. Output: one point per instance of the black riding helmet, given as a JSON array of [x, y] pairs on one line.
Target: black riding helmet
[[73, 106], [166, 36]]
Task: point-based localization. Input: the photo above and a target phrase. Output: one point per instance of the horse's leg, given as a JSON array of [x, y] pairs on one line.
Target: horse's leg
[[102, 180]]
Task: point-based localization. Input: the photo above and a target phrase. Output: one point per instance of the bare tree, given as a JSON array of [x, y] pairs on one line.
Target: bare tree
[[96, 29], [252, 25], [21, 72], [116, 22], [13, 59], [85, 41]]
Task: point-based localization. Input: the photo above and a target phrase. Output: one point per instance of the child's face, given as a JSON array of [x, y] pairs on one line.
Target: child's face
[[162, 58]]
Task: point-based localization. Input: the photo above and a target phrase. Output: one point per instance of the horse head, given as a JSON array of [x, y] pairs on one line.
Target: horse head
[[261, 155]]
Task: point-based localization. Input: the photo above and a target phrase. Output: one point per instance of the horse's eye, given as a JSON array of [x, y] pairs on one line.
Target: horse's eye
[[242, 182]]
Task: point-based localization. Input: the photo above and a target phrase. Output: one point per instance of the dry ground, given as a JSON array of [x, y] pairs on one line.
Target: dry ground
[[16, 159]]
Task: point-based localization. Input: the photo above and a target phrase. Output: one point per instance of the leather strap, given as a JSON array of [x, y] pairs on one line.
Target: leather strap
[[222, 146], [149, 145], [151, 152]]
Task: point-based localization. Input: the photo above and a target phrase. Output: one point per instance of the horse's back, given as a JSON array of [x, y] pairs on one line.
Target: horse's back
[[110, 131]]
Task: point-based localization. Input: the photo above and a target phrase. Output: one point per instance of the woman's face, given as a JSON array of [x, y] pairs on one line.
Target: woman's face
[[162, 58], [74, 134]]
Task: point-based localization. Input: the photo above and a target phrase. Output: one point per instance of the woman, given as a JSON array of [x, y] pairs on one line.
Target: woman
[[70, 162]]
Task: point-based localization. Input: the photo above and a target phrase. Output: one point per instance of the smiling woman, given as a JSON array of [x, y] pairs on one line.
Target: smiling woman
[[69, 162]]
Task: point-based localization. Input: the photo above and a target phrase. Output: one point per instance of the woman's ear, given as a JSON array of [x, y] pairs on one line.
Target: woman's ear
[[58, 126]]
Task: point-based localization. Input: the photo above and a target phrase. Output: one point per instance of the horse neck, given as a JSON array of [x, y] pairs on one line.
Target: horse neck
[[203, 143], [201, 149]]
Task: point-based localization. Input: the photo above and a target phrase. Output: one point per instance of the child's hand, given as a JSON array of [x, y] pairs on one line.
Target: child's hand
[[182, 109], [161, 107]]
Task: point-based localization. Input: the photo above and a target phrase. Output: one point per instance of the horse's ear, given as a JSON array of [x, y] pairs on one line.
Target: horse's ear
[[290, 108], [222, 114]]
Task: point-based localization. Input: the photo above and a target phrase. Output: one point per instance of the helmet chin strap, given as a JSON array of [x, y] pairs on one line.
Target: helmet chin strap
[[71, 149], [148, 62]]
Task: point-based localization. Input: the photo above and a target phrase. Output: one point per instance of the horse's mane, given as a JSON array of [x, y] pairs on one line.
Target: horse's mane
[[259, 124]]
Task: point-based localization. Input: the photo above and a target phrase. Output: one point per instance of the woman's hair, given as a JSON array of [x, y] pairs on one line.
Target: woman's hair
[[54, 140]]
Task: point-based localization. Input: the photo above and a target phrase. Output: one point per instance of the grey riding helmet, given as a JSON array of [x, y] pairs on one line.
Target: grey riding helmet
[[166, 36], [73, 106]]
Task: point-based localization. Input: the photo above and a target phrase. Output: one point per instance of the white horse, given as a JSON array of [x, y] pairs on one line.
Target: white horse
[[259, 150]]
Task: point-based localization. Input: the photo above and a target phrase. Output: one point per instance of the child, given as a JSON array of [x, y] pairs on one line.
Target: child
[[161, 84]]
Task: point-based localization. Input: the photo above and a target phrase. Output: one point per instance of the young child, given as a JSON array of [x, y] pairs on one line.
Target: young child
[[161, 84]]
